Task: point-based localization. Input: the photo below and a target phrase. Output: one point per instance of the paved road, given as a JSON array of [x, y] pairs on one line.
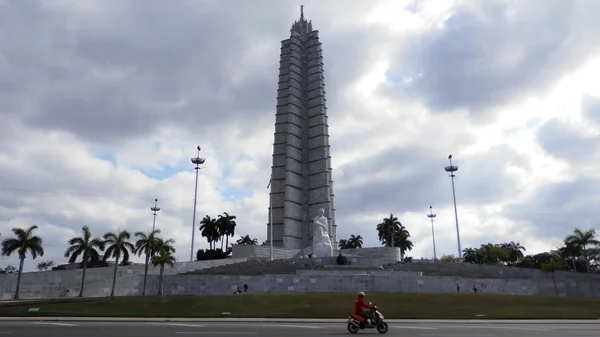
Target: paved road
[[161, 329]]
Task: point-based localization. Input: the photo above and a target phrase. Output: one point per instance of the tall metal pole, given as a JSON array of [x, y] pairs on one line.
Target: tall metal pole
[[271, 217], [154, 210], [451, 169], [431, 216], [271, 222], [197, 161]]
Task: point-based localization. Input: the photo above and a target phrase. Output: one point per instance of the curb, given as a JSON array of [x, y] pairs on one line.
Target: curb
[[289, 320]]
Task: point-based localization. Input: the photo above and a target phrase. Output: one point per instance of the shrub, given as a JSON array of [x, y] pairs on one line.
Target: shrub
[[212, 254]]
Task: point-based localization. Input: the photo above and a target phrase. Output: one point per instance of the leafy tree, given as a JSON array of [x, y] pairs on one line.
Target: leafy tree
[[22, 243], [147, 244], [45, 265], [117, 247], [164, 256], [86, 246], [8, 270], [246, 240], [447, 258]]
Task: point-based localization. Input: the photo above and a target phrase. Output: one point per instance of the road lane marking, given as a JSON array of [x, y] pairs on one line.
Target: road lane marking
[[52, 323], [217, 332], [188, 325], [290, 326], [412, 327], [492, 327]]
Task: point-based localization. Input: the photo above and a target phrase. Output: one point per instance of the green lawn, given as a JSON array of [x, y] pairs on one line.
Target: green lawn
[[392, 305]]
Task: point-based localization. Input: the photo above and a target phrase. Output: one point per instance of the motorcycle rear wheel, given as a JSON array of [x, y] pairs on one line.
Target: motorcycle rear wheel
[[352, 328], [382, 327]]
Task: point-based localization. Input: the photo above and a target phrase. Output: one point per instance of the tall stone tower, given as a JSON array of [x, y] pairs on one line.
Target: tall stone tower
[[301, 180]]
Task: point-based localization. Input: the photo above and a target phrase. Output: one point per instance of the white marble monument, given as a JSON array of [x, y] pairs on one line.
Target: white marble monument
[[321, 244]]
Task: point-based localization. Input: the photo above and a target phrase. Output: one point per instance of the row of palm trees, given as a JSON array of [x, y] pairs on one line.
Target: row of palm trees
[[580, 252], [218, 229], [355, 241], [117, 246]]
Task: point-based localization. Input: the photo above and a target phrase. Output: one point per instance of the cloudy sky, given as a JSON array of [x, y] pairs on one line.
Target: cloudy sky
[[103, 103]]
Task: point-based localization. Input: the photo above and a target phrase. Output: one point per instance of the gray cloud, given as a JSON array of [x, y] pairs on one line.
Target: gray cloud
[[496, 52], [556, 209], [565, 141], [417, 180]]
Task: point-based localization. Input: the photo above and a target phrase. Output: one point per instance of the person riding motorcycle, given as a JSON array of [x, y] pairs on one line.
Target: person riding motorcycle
[[362, 308]]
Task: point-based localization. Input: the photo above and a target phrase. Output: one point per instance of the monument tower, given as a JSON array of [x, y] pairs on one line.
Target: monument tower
[[301, 180]]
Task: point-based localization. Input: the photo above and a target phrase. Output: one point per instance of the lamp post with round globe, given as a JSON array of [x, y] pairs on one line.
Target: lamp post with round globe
[[431, 216], [196, 161], [154, 210], [451, 169]]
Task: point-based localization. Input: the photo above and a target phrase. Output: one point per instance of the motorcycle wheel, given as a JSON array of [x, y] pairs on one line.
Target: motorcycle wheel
[[352, 328], [382, 327]]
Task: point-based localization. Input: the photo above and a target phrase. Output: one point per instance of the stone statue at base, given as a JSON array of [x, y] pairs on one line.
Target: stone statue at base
[[321, 244]]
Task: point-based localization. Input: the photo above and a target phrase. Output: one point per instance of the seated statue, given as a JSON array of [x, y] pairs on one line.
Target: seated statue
[[321, 246]]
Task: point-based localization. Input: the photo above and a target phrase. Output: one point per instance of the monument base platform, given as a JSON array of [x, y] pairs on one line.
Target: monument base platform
[[387, 254]]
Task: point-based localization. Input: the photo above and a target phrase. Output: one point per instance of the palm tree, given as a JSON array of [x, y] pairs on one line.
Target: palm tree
[[583, 240], [247, 240], [118, 247], [355, 241], [164, 256], [24, 242], [343, 244], [386, 230], [208, 228], [226, 227], [86, 246], [146, 244], [401, 240]]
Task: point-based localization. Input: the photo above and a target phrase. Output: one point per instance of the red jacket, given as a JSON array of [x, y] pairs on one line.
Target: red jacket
[[360, 305]]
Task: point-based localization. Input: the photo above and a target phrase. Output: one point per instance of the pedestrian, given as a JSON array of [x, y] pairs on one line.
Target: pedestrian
[[457, 288]]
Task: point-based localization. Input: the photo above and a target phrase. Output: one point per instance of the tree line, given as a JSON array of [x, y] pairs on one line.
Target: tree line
[[579, 252], [94, 252]]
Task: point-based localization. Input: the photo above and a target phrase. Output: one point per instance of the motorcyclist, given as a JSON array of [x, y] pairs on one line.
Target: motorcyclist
[[362, 308]]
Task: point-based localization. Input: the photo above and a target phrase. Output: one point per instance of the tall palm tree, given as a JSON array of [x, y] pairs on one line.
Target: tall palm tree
[[226, 227], [208, 228], [402, 241], [164, 256], [246, 240], [86, 246], [583, 240], [117, 247], [24, 242], [386, 230], [146, 244], [355, 241]]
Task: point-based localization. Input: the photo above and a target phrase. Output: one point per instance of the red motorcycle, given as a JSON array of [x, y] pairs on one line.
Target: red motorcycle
[[357, 322]]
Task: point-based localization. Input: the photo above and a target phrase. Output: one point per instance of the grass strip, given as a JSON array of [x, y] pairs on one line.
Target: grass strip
[[392, 305]]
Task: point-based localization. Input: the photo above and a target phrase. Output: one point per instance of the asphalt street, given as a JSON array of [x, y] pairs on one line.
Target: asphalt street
[[160, 329]]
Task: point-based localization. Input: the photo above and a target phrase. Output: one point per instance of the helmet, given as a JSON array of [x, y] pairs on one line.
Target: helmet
[[361, 293]]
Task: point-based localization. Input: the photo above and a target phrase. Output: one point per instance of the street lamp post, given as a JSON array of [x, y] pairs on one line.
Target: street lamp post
[[196, 161], [451, 169], [431, 216], [154, 210]]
